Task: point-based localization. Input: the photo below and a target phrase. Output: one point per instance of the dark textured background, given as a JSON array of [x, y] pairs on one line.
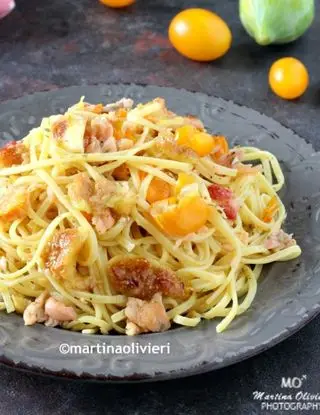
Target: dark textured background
[[45, 45]]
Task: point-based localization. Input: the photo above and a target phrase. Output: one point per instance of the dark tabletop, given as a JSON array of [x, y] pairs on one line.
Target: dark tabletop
[[46, 45]]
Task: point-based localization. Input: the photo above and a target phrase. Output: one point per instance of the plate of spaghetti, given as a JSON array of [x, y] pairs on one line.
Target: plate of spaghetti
[[127, 221]]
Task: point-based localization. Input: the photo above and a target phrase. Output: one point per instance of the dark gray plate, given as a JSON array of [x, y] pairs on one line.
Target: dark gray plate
[[288, 294]]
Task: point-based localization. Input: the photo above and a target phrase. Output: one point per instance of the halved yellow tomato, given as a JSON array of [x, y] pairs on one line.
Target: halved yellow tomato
[[190, 215]]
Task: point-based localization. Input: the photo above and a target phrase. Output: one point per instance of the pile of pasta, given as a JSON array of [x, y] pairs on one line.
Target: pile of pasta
[[130, 219]]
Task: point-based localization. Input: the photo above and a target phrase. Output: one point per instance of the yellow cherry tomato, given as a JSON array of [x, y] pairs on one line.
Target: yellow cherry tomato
[[288, 78], [200, 34], [184, 133], [270, 210], [184, 179], [122, 172], [117, 3], [190, 215], [221, 147], [200, 142], [158, 190]]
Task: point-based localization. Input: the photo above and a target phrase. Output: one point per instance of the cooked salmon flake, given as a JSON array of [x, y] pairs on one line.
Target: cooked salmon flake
[[136, 277], [146, 316], [62, 252], [12, 154], [13, 204]]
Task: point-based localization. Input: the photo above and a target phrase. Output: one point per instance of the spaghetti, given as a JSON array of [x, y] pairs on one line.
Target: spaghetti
[[125, 219]]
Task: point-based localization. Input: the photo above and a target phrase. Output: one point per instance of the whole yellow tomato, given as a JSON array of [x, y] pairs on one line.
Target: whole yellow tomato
[[288, 78], [200, 34], [117, 3]]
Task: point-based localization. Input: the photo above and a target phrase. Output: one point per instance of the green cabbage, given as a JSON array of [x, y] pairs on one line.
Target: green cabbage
[[276, 21]]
